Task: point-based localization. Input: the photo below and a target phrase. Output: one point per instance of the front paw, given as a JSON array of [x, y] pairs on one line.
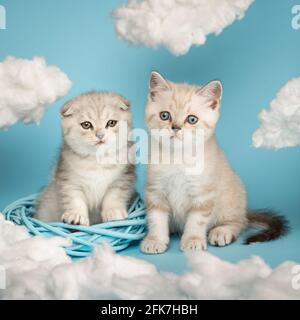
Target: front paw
[[75, 218], [189, 244], [114, 214], [153, 245], [221, 236]]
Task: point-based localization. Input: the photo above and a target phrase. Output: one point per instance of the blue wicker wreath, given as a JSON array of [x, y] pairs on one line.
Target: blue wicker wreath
[[118, 233]]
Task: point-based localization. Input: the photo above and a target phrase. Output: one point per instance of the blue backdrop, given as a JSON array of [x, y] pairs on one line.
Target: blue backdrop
[[253, 57]]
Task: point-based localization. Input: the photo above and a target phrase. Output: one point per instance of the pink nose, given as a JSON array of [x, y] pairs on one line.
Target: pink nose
[[175, 128], [100, 135]]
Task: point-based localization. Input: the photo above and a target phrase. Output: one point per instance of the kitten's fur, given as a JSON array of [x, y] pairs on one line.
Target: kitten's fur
[[213, 203], [81, 188]]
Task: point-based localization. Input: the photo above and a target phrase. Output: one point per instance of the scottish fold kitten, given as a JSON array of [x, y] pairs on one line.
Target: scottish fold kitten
[[86, 182], [207, 207]]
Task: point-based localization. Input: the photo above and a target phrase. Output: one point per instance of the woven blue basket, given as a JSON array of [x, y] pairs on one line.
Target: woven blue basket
[[118, 233]]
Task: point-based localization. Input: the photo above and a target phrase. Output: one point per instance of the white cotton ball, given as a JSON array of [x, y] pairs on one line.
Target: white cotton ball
[[27, 88], [10, 234], [38, 268], [213, 278], [277, 286], [175, 24], [280, 125]]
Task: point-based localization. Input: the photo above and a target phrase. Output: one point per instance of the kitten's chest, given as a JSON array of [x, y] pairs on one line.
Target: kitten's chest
[[95, 184], [180, 189]]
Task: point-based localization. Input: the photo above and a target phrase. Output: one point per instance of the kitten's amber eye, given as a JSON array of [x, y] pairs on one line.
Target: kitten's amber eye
[[86, 125], [192, 119], [111, 123], [165, 116]]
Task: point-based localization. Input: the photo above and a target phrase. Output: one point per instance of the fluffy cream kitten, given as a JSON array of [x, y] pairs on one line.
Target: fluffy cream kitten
[[210, 205], [82, 187]]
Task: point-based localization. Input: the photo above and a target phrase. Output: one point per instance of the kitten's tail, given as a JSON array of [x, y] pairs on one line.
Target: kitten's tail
[[273, 225]]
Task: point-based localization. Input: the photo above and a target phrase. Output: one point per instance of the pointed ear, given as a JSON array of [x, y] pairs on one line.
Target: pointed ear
[[125, 104], [157, 83], [68, 109], [212, 91]]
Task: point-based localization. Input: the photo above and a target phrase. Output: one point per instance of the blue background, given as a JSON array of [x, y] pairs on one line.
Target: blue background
[[253, 57]]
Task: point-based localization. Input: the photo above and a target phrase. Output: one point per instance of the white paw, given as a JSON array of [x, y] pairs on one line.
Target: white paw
[[152, 245], [114, 214], [193, 244], [221, 236], [75, 218]]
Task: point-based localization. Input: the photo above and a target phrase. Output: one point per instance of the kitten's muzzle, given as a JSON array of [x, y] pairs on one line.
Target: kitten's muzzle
[[100, 136]]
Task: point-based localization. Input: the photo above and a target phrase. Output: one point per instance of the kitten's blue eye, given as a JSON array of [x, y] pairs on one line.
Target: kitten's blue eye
[[165, 115], [111, 123], [86, 125], [192, 119]]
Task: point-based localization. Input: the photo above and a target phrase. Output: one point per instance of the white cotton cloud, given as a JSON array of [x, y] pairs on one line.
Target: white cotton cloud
[[176, 24], [280, 125], [27, 88], [38, 268]]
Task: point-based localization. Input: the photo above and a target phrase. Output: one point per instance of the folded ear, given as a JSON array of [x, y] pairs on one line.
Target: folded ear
[[157, 83], [125, 104], [68, 109], [212, 91]]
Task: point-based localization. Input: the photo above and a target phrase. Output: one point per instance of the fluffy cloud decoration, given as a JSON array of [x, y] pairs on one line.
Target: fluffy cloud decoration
[[38, 268], [27, 87], [280, 126], [175, 24]]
